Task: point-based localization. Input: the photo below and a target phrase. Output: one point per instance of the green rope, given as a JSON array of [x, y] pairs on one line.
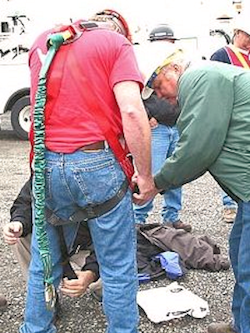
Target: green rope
[[56, 41]]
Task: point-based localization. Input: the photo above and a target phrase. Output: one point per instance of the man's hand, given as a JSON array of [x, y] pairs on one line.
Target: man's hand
[[77, 287], [153, 123], [12, 232], [147, 189]]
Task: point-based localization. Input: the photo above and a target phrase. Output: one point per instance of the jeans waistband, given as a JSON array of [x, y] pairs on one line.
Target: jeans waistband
[[95, 146], [78, 156]]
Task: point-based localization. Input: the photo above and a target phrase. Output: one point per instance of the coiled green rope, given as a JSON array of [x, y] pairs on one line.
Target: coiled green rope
[[56, 40]]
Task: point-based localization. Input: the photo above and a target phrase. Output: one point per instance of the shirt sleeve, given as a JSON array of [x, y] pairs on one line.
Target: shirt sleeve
[[206, 100], [164, 112], [125, 66], [92, 264], [21, 209], [221, 56]]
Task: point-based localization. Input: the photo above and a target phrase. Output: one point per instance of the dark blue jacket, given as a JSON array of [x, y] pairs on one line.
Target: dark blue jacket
[[221, 55]]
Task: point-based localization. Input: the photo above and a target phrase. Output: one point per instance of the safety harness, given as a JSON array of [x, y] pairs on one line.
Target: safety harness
[[236, 57], [54, 42]]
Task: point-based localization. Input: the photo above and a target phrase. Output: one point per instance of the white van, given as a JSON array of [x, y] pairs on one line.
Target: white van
[[14, 96], [14, 74]]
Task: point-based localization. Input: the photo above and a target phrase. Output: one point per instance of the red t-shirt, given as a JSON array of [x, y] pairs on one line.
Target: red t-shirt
[[101, 59]]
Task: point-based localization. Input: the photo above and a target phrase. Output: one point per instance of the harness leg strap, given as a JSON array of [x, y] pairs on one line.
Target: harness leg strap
[[93, 211]]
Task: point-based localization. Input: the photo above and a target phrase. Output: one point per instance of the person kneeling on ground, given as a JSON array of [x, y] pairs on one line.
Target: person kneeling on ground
[[18, 234]]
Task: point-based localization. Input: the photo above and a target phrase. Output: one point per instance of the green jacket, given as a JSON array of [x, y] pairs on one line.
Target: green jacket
[[214, 126]]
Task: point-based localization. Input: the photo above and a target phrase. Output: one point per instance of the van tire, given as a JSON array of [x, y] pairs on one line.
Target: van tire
[[20, 117]]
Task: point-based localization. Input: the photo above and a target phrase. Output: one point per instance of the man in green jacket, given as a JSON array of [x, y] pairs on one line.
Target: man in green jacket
[[214, 127]]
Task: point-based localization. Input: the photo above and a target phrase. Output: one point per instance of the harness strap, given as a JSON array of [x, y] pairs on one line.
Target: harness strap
[[83, 215], [93, 211], [233, 53]]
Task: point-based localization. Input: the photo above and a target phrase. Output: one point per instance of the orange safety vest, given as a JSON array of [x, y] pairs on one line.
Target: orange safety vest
[[237, 58]]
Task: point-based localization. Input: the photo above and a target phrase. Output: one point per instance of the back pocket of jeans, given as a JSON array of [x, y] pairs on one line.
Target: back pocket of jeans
[[99, 182]]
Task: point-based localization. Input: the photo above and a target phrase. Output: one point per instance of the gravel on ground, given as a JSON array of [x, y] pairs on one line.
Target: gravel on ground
[[202, 207]]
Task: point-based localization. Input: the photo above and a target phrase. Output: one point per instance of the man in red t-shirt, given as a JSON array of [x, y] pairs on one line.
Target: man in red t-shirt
[[97, 68]]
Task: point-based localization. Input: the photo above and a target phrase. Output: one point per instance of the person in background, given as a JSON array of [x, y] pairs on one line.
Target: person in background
[[162, 118], [81, 168], [236, 54], [207, 92]]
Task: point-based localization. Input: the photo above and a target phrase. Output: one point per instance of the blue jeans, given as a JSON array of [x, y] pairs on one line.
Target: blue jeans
[[79, 179], [228, 202], [164, 139], [239, 248]]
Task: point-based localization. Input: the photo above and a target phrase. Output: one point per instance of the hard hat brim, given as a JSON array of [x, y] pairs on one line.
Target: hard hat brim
[[162, 38]]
